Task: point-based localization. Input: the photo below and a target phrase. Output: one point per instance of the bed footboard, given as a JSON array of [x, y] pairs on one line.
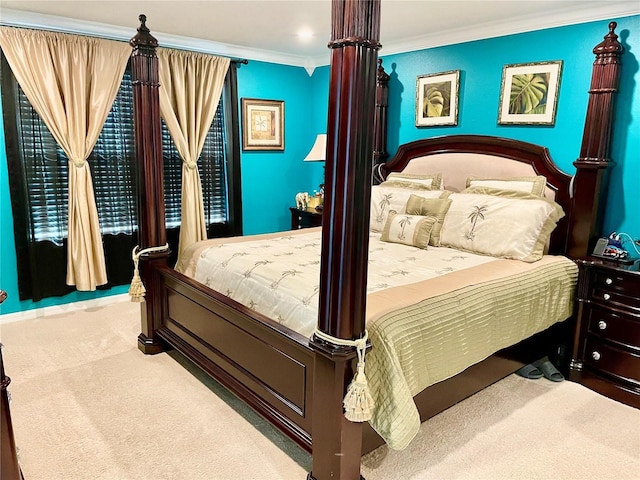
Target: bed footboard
[[269, 369]]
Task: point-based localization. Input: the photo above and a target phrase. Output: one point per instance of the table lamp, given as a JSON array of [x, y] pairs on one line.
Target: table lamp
[[318, 153]]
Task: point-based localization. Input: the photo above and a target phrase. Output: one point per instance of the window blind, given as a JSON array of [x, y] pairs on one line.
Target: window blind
[[113, 169]]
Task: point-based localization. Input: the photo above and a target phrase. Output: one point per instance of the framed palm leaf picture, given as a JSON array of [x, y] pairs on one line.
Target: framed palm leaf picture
[[437, 99], [529, 93], [262, 124]]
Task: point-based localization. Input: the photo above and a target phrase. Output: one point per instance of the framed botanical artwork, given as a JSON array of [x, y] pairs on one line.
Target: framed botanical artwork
[[262, 124], [437, 99], [529, 93]]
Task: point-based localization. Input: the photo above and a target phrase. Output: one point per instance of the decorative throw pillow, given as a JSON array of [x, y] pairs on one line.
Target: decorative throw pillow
[[535, 185], [516, 228], [433, 180], [394, 199], [413, 230], [434, 207]]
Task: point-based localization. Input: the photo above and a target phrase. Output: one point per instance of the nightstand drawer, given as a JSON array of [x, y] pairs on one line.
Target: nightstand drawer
[[616, 298], [612, 360], [616, 286], [619, 328]]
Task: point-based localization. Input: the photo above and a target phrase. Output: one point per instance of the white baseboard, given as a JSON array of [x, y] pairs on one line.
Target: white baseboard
[[67, 307]]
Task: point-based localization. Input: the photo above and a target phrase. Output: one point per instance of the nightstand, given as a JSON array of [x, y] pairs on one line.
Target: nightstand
[[606, 352], [305, 218]]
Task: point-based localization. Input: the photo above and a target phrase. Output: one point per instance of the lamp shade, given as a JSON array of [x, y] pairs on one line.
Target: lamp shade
[[318, 152]]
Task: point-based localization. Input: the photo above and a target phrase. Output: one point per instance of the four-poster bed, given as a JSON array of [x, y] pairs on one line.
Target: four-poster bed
[[296, 382]]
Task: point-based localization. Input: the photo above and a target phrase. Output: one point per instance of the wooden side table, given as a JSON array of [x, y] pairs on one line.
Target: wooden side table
[[307, 218], [606, 353]]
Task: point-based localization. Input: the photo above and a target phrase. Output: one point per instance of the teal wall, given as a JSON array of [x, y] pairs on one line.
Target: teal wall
[[271, 179]]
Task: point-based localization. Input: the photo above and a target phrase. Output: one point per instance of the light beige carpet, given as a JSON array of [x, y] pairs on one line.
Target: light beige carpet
[[88, 405]]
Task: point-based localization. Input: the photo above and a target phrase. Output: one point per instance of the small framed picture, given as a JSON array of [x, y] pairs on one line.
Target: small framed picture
[[262, 124], [437, 99], [529, 93]]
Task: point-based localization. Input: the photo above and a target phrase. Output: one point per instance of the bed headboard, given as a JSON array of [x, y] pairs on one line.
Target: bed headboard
[[459, 156]]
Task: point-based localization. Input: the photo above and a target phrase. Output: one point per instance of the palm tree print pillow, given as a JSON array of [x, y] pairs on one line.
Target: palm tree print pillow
[[515, 228], [413, 230]]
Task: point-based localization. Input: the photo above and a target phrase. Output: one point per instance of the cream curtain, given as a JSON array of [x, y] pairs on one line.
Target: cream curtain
[[190, 88], [71, 81]]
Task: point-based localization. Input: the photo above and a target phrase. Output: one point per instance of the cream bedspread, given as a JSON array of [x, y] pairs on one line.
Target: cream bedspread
[[430, 313]]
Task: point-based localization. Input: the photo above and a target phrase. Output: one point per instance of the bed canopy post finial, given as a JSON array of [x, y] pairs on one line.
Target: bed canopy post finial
[[337, 442], [148, 145], [586, 218], [380, 153]]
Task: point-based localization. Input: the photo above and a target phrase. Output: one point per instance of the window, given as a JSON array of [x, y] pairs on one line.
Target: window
[[39, 180]]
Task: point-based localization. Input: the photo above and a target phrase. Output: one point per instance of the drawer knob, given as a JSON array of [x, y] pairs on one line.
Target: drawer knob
[[596, 355], [602, 325], [606, 296], [608, 281]]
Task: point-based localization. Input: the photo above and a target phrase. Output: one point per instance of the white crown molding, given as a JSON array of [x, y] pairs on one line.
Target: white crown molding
[[311, 63], [589, 11], [499, 28], [19, 18], [65, 308]]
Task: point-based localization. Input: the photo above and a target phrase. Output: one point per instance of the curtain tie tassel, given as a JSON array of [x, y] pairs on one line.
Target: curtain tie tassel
[[136, 289], [358, 402]]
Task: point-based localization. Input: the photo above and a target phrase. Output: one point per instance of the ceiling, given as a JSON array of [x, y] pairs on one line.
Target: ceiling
[[267, 29]]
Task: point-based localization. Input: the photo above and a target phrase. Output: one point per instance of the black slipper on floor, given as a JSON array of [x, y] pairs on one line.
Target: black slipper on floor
[[530, 371], [549, 370]]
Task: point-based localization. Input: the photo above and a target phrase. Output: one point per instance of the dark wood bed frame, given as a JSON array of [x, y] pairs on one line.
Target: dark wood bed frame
[[298, 383]]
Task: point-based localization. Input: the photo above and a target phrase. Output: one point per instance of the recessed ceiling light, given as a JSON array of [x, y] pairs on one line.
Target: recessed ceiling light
[[305, 34]]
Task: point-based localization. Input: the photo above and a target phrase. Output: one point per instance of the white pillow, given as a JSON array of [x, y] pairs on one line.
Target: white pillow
[[516, 228], [410, 185], [433, 181], [394, 199], [535, 185]]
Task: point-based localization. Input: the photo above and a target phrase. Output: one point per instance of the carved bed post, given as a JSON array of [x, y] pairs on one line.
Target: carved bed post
[[148, 142], [343, 274], [586, 217], [380, 153]]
